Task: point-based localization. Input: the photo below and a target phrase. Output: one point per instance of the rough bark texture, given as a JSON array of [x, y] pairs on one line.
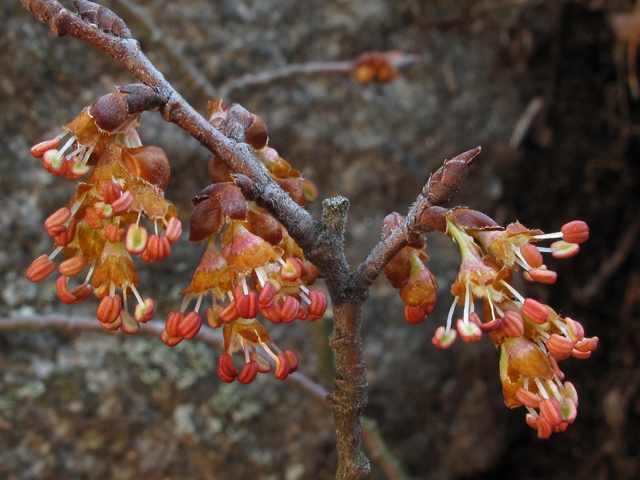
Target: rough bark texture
[[105, 406]]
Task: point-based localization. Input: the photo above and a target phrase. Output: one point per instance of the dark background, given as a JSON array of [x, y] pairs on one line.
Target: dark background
[[91, 405]]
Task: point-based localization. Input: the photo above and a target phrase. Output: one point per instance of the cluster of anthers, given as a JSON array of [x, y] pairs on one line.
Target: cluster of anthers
[[251, 265], [249, 260], [532, 337], [101, 227]]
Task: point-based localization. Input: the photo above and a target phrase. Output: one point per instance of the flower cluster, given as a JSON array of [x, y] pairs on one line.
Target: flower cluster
[[250, 266], [532, 337], [101, 229]]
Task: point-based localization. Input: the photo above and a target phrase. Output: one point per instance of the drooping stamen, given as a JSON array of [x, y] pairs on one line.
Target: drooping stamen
[[54, 253], [261, 276], [451, 310], [556, 392], [541, 390], [513, 291], [67, 145], [467, 296], [137, 294], [198, 302], [546, 236], [245, 345], [186, 300]]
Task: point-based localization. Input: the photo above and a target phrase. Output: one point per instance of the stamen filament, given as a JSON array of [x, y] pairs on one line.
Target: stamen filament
[[513, 291], [541, 390], [450, 317], [54, 253], [198, 302]]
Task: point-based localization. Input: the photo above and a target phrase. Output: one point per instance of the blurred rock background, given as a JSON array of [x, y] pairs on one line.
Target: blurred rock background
[[77, 405]]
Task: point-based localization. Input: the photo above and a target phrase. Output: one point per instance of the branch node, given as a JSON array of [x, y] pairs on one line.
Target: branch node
[[334, 214]]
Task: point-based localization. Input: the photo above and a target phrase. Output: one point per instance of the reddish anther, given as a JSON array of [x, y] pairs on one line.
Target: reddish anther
[[575, 232], [54, 162], [122, 204], [282, 367], [39, 149], [527, 398], [551, 411], [581, 355], [569, 411], [129, 325], [562, 249], [213, 316], [226, 370], [292, 358], [267, 295], [414, 315], [230, 313], [190, 325], [158, 249], [531, 255], [113, 326], [40, 268], [263, 364], [111, 192], [169, 340], [469, 332], [54, 223], [544, 428], [443, 338], [66, 236], [311, 276], [114, 234], [554, 366], [173, 324], [541, 275], [247, 305], [587, 344], [249, 372], [103, 210], [289, 309], [303, 314], [73, 266], [291, 270], [136, 240], [93, 219], [531, 421], [576, 330], [559, 346], [491, 326], [535, 311], [318, 304], [76, 295], [145, 312], [174, 230], [512, 324], [109, 309], [271, 314]]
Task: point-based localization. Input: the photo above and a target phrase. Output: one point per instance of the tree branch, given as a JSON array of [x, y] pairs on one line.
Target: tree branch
[[425, 215]]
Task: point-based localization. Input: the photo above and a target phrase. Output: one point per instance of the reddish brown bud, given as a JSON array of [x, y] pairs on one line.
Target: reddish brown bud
[[256, 134], [414, 315], [40, 268]]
